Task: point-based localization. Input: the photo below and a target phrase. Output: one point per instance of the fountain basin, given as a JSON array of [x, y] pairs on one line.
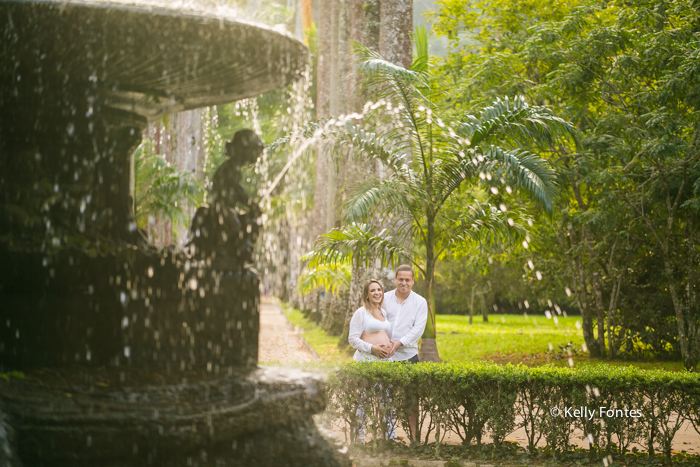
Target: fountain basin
[[232, 420], [146, 59]]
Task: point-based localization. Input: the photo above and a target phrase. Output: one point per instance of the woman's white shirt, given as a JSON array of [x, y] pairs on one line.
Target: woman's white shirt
[[363, 321]]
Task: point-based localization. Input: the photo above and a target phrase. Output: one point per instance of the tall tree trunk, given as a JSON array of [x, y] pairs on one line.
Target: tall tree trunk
[[484, 309], [322, 206], [613, 344], [578, 278], [428, 350], [395, 31], [364, 28], [357, 28]]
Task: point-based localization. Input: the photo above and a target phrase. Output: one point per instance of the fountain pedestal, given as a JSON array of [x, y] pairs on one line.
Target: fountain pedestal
[[118, 354]]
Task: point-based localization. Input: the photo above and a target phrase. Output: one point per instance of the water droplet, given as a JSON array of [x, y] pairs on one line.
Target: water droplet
[[150, 272], [548, 314], [127, 351]]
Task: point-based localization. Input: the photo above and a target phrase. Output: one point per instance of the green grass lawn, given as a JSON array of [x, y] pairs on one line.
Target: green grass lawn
[[519, 339], [504, 339], [504, 336]]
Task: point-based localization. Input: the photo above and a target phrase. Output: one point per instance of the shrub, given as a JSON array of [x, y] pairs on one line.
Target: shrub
[[477, 399]]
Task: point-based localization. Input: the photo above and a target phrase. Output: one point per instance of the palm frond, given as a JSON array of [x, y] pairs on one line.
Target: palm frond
[[515, 119], [395, 193], [399, 90], [334, 278], [375, 67], [524, 170], [421, 60], [452, 172], [483, 223], [393, 153], [359, 243]]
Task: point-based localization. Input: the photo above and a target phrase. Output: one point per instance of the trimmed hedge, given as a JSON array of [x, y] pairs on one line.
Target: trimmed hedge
[[477, 399]]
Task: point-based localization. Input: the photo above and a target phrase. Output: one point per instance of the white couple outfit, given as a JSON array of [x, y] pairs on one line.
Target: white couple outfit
[[364, 321], [404, 322]]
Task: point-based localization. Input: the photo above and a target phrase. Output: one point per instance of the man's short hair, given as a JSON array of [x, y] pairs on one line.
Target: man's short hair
[[405, 267]]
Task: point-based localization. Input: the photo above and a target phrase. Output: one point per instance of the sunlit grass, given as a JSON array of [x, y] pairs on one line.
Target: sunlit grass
[[503, 336], [503, 339]]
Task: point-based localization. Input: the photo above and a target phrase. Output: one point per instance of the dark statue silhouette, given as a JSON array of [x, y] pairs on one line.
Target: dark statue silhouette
[[226, 230]]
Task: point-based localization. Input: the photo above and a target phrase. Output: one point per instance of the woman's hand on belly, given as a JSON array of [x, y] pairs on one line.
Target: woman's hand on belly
[[381, 345], [381, 350]]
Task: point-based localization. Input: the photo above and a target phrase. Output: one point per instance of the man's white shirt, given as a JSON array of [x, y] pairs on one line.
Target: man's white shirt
[[408, 321]]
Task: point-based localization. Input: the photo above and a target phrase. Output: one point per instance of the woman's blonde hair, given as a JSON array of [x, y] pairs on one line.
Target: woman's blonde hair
[[365, 294]]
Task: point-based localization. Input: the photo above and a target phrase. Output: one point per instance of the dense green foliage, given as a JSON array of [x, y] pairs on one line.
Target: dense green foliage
[[162, 190], [624, 236], [474, 400]]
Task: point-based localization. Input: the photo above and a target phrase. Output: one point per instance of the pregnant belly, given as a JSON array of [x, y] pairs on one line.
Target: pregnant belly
[[379, 337]]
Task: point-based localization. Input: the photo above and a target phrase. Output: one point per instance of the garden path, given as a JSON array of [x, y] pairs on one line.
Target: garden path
[[278, 340]]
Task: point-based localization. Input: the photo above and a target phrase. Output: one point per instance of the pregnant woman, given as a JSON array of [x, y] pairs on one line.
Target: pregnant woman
[[369, 334], [369, 328]]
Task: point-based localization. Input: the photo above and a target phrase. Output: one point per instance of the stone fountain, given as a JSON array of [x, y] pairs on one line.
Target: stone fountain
[[113, 353]]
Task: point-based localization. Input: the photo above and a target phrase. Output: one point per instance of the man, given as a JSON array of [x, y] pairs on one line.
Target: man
[[408, 314]]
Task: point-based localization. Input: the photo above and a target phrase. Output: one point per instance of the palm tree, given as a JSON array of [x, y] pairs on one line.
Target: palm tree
[[430, 169]]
